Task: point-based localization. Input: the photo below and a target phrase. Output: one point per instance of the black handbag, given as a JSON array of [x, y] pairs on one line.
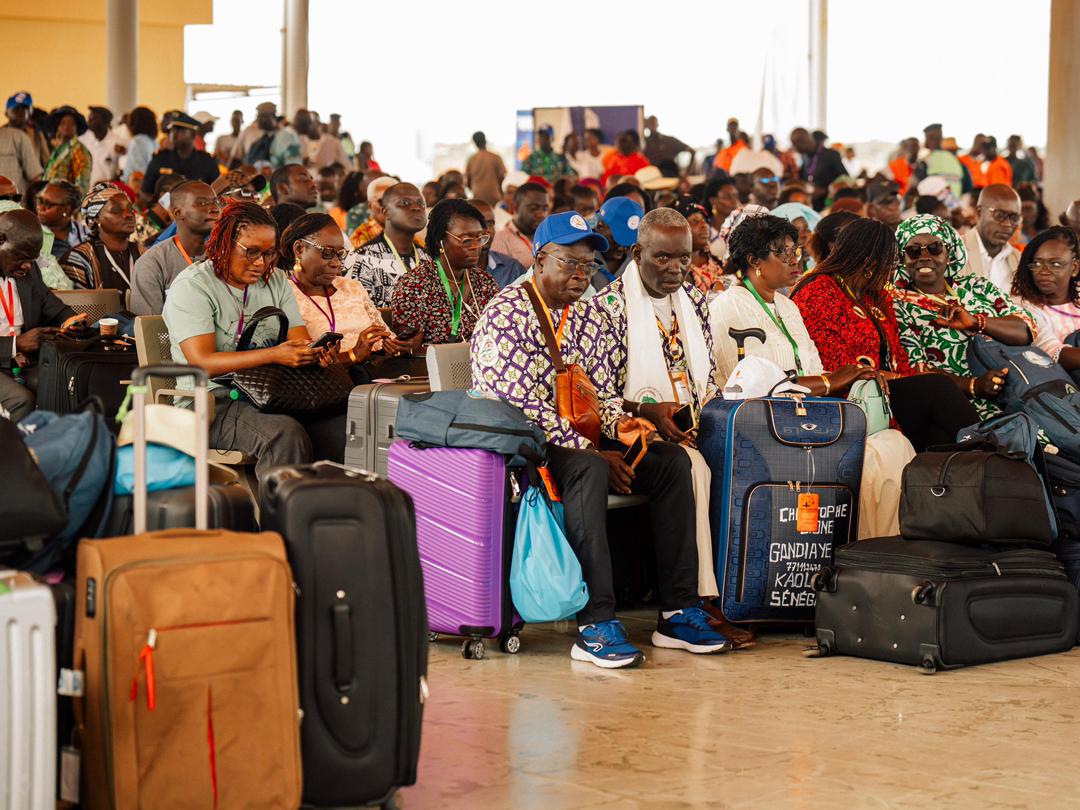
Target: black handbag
[[974, 493], [283, 389]]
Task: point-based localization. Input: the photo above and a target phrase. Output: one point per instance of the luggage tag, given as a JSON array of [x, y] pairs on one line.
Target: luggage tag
[[806, 515], [70, 683], [549, 484]]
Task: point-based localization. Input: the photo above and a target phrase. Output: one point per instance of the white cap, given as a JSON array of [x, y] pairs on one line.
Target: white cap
[[514, 179], [377, 187], [203, 117], [756, 377]]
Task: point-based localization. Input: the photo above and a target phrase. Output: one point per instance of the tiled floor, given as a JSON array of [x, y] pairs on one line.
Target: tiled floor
[[761, 728]]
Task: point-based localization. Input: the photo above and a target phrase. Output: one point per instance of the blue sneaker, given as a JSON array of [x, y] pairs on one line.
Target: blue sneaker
[[606, 645], [689, 630]]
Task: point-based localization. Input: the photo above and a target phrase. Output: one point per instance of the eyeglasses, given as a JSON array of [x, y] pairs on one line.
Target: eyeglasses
[[767, 180], [253, 255], [1004, 217], [415, 202], [1054, 264], [471, 241], [241, 193], [788, 255], [328, 253], [913, 252], [588, 267]]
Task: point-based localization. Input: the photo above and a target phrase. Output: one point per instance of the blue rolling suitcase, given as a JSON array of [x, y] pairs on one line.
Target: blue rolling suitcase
[[765, 453]]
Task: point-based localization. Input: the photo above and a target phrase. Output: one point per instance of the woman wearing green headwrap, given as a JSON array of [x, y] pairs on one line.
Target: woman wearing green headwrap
[[939, 310]]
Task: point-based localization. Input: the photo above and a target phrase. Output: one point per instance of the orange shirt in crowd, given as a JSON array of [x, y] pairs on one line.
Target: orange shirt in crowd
[[725, 156], [617, 164], [901, 172], [999, 171], [974, 166]]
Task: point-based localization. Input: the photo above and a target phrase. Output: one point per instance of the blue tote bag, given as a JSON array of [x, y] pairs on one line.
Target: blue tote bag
[[545, 575]]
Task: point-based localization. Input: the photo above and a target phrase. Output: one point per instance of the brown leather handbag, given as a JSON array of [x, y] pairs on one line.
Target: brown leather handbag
[[576, 399]]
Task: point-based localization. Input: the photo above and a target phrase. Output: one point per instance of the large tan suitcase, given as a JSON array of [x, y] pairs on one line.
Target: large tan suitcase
[[187, 641]]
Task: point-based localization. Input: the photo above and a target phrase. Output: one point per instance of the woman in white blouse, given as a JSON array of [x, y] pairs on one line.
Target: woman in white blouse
[[764, 254], [1047, 284]]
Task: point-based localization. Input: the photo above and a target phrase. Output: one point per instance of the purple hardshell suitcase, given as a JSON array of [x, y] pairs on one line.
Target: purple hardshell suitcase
[[465, 522]]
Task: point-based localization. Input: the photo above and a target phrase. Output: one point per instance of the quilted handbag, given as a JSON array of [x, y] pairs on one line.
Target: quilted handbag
[[283, 389]]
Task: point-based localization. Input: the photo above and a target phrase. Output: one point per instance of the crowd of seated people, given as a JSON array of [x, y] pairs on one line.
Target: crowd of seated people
[[640, 276]]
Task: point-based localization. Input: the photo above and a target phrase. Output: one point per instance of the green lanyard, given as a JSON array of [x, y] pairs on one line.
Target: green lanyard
[[455, 303], [774, 317], [390, 244]]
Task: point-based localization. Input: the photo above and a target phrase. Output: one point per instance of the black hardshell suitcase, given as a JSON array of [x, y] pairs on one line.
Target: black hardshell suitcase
[[70, 371], [230, 507], [361, 628], [940, 605]]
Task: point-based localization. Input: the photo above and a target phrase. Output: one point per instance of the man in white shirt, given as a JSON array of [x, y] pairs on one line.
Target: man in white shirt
[[104, 145], [989, 253]]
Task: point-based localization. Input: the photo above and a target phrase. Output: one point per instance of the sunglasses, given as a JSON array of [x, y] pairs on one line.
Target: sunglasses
[[913, 252], [328, 253], [11, 197], [253, 254], [767, 180], [405, 202], [470, 241], [789, 255]]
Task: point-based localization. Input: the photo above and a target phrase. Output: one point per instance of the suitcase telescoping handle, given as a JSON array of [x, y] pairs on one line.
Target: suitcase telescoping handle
[[202, 431]]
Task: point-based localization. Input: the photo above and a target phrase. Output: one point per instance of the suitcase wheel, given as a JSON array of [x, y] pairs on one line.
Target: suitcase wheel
[[920, 593], [432, 636], [927, 666], [472, 648], [822, 580], [510, 644]]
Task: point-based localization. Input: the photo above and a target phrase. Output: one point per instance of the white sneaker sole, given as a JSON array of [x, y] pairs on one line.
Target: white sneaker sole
[[579, 654], [660, 640]]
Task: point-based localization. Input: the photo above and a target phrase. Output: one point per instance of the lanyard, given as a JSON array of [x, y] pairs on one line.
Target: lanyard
[[776, 319], [180, 247], [1061, 311], [547, 314], [116, 267], [455, 303], [523, 238], [404, 267], [329, 318], [9, 306], [672, 337], [240, 326]]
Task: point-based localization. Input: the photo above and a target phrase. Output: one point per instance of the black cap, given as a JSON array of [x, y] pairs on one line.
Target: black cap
[[880, 190], [184, 121], [929, 127]]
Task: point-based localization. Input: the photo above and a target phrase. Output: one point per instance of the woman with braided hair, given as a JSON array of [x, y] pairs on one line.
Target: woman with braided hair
[[1047, 286], [206, 309]]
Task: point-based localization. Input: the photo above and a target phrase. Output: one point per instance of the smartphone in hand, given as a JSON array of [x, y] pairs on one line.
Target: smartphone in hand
[[407, 333], [326, 339], [635, 452], [684, 418]]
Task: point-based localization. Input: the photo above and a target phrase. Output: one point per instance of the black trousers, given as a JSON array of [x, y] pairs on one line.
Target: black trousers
[[930, 409], [664, 476]]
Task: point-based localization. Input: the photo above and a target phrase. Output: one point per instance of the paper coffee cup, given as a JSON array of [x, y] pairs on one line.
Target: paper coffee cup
[[108, 326]]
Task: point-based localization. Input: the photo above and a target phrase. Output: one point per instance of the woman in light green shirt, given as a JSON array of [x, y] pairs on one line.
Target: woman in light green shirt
[[205, 311]]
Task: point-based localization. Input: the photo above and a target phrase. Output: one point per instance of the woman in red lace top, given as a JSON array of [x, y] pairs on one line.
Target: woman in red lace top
[[849, 315]]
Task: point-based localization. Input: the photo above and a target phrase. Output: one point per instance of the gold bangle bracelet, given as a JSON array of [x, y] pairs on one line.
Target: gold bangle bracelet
[[828, 384], [971, 388]]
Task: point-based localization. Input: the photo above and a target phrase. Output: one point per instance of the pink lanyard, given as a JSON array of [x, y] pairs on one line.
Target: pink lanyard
[[329, 318]]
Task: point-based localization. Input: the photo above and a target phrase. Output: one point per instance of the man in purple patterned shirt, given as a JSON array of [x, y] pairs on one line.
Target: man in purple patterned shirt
[[510, 360]]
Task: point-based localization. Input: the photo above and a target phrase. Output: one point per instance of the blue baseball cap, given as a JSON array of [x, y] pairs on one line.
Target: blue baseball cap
[[22, 99], [567, 228], [623, 216]]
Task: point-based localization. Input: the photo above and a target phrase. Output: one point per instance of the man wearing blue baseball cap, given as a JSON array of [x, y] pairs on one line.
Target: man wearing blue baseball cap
[[19, 159], [617, 220], [524, 333]]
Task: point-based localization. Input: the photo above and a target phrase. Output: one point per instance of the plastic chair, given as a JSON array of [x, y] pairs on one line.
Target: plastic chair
[[153, 347], [97, 304]]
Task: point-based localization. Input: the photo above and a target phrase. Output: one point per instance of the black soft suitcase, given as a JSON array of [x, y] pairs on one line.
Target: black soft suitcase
[[361, 628], [941, 605], [69, 371], [64, 597]]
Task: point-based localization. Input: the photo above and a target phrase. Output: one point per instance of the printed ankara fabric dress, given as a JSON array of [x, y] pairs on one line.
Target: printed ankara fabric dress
[[926, 344], [421, 300]]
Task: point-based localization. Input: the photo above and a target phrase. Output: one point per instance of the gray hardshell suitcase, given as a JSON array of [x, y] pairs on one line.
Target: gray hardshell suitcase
[[370, 422], [27, 694]]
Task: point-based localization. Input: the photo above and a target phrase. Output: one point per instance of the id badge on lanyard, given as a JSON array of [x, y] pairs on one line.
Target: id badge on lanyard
[[680, 386]]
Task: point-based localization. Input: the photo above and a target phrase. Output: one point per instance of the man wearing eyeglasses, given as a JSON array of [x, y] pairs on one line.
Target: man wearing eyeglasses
[[380, 263], [195, 208], [989, 253]]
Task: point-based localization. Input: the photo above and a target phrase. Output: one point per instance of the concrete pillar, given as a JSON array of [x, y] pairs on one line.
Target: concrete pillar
[[1062, 171], [122, 55], [819, 63], [294, 57]]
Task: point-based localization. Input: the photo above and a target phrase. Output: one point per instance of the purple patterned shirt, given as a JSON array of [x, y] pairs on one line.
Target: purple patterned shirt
[[510, 359], [609, 311]]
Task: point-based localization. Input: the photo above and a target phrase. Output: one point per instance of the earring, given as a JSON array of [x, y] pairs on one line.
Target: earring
[[868, 273], [296, 267], [758, 271]]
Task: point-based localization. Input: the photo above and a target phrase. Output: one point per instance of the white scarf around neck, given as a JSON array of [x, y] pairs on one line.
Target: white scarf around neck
[[647, 375]]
